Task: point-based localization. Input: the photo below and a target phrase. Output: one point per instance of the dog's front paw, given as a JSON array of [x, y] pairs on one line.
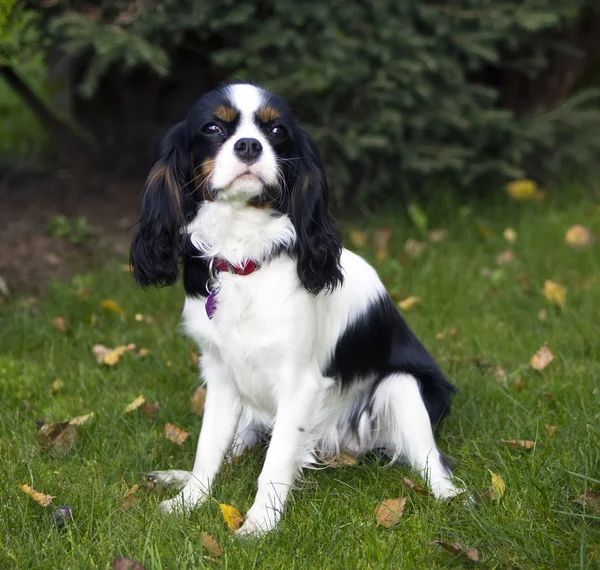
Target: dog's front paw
[[175, 478], [185, 502], [443, 488], [259, 520]]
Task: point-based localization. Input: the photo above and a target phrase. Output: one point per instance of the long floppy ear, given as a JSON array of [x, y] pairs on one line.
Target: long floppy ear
[[318, 245], [155, 248]]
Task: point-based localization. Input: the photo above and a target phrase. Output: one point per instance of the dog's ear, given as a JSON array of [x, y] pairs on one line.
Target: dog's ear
[[155, 248], [318, 243]]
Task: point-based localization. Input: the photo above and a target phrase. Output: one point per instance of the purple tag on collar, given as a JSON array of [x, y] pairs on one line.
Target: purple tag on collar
[[211, 303]]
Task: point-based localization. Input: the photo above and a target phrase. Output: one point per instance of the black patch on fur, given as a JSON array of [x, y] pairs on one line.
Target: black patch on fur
[[380, 343], [195, 271], [447, 463]]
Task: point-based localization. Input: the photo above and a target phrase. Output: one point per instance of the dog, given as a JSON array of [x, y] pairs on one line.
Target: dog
[[298, 336]]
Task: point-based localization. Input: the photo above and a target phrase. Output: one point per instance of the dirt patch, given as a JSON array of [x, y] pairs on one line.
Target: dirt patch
[[29, 256]]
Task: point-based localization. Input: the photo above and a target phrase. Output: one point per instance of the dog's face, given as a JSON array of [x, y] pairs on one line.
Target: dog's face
[[238, 144]]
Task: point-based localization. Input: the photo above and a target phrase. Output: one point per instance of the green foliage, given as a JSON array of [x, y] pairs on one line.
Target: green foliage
[[399, 95], [76, 230]]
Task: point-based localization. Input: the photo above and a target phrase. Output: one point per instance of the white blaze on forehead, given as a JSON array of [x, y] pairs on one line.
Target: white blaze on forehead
[[247, 99]]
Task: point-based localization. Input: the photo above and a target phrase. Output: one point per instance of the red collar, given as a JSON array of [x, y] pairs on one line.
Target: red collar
[[249, 266]]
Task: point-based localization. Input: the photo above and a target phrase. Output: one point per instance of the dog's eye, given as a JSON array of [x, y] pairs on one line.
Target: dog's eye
[[212, 129], [277, 132]]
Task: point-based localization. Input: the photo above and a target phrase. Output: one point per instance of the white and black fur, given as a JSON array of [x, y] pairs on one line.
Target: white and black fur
[[309, 348]]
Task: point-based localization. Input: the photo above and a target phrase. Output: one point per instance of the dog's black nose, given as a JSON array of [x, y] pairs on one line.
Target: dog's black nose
[[247, 150]]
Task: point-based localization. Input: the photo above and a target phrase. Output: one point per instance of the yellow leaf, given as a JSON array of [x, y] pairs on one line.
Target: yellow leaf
[[358, 238], [541, 358], [550, 429], [111, 306], [143, 352], [139, 401], [510, 235], [57, 385], [498, 486], [555, 293], [409, 302], [197, 401], [523, 189], [60, 324], [579, 236], [232, 516], [80, 420], [39, 498], [176, 434], [389, 512], [437, 235], [519, 443]]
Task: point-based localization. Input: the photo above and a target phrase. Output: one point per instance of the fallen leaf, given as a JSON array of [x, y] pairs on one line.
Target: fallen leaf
[[550, 429], [543, 315], [197, 401], [123, 563], [84, 293], [139, 401], [232, 516], [112, 306], [150, 410], [440, 335], [381, 240], [57, 439], [541, 358], [176, 434], [579, 236], [128, 501], [555, 293], [510, 235], [547, 396], [437, 235], [142, 352], [466, 553], [211, 545], [60, 324], [39, 498], [506, 257], [413, 248], [390, 511], [416, 487], [498, 487], [194, 358], [519, 443], [409, 302], [341, 460], [358, 238], [57, 385], [500, 375], [523, 189], [110, 356], [590, 499], [80, 420]]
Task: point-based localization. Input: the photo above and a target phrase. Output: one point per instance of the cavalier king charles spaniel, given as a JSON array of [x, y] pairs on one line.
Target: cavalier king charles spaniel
[[299, 340]]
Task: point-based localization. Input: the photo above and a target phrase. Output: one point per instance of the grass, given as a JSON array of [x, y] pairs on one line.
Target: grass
[[330, 521]]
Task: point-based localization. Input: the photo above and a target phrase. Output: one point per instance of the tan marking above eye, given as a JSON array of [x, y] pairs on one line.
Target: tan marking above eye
[[227, 114], [267, 114]]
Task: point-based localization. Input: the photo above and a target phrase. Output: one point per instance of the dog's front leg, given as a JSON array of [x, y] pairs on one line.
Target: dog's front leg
[[221, 413], [289, 450]]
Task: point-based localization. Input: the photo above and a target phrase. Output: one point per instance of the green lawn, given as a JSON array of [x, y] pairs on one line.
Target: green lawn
[[330, 521]]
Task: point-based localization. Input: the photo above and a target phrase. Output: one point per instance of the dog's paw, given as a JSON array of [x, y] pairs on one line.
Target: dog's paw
[[443, 488], [175, 478], [259, 521], [185, 502]]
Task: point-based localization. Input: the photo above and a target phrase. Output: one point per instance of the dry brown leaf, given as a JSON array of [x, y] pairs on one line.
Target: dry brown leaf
[[138, 402], [176, 434], [150, 410], [128, 501], [550, 429], [60, 324], [57, 439], [381, 239], [112, 306], [519, 443], [555, 293], [498, 487], [389, 512], [357, 238], [341, 460], [123, 563], [232, 516], [197, 401], [80, 420], [211, 545], [409, 302], [416, 487], [413, 248], [590, 499], [39, 498], [541, 358], [510, 235], [579, 236], [194, 358], [454, 547], [437, 235], [505, 257]]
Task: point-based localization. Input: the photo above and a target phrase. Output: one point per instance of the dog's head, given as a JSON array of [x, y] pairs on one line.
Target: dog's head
[[240, 144]]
